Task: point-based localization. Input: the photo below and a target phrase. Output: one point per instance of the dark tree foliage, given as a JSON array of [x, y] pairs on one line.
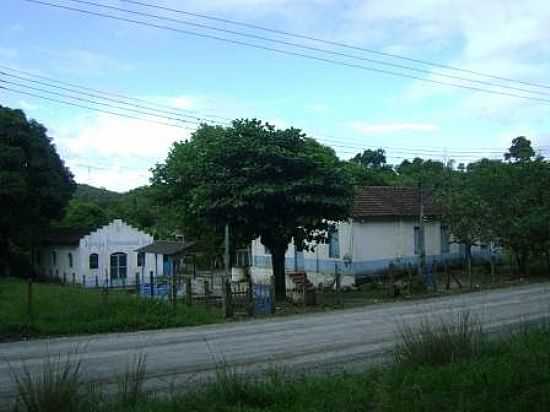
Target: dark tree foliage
[[35, 185], [263, 182], [520, 151], [370, 169]]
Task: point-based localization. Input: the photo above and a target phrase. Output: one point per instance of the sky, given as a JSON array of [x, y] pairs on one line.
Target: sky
[[349, 108]]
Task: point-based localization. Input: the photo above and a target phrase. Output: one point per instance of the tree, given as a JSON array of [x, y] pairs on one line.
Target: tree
[[35, 185], [370, 169], [375, 159], [264, 182], [84, 215], [520, 151], [429, 173], [465, 211]]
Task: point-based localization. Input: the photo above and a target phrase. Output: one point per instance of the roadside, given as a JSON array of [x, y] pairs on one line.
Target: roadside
[[447, 366], [334, 342], [58, 310]]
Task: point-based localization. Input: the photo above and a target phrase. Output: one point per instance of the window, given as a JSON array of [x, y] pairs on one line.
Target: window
[[416, 240], [333, 243], [445, 239], [118, 265], [54, 258], [94, 261], [70, 255], [141, 259]]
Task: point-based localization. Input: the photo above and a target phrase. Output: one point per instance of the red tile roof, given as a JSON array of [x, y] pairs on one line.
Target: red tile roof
[[380, 201]]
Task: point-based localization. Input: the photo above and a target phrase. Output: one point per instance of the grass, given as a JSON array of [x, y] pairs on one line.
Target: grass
[[440, 342], [62, 311], [508, 374]]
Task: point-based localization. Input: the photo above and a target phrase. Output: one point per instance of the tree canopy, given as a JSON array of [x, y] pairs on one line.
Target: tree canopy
[[264, 182], [35, 185]]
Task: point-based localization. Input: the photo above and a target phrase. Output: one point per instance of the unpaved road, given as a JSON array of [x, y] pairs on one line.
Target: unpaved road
[[332, 341]]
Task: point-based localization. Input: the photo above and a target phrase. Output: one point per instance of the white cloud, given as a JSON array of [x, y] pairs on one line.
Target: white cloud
[[182, 102], [381, 128], [114, 152]]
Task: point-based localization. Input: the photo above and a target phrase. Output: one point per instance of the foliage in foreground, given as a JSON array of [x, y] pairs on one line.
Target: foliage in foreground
[[510, 374], [58, 310]]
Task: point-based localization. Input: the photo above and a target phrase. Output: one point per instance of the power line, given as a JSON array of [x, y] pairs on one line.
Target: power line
[[310, 48], [95, 109], [100, 96], [334, 43], [175, 110], [330, 140], [291, 53], [95, 102]]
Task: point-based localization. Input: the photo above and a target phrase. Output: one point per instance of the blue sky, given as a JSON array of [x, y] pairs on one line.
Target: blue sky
[[344, 107]]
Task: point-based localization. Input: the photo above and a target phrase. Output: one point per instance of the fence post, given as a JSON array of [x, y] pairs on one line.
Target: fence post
[[206, 290], [435, 267], [84, 281], [447, 274], [137, 285], [304, 289], [410, 275], [272, 293], [174, 289], [188, 292], [227, 303], [96, 281], [64, 278], [338, 284], [250, 297], [29, 300], [74, 279], [151, 280]]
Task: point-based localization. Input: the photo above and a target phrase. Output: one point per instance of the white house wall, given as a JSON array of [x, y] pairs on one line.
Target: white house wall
[[61, 269], [112, 238], [366, 247]]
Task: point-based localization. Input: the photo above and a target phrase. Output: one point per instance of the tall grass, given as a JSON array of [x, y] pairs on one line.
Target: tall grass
[[440, 342], [130, 384], [86, 311], [57, 388]]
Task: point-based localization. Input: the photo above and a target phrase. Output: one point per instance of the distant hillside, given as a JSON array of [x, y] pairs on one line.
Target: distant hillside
[[96, 195]]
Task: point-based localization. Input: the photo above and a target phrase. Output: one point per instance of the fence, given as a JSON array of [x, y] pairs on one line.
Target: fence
[[242, 298]]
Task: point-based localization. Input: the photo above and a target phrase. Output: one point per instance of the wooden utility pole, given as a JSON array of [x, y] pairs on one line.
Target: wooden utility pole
[[226, 252], [226, 283], [421, 232]]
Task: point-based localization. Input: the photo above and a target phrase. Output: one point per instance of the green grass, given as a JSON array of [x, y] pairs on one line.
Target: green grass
[[61, 311], [509, 374]]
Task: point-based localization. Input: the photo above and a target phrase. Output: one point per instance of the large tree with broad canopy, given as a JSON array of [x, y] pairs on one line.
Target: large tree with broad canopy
[[264, 182]]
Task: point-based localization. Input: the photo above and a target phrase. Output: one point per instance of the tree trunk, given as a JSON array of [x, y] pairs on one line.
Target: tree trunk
[[278, 266]]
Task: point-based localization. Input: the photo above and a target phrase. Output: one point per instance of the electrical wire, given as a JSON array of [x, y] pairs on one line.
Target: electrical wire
[[291, 53]]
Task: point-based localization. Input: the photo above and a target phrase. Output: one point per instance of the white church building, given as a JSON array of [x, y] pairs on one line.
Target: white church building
[[103, 257]]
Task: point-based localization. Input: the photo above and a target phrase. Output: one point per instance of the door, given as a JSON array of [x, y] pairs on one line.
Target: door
[[119, 266]]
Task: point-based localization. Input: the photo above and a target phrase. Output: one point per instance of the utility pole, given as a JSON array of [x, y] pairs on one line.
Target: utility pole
[[421, 232], [226, 252]]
